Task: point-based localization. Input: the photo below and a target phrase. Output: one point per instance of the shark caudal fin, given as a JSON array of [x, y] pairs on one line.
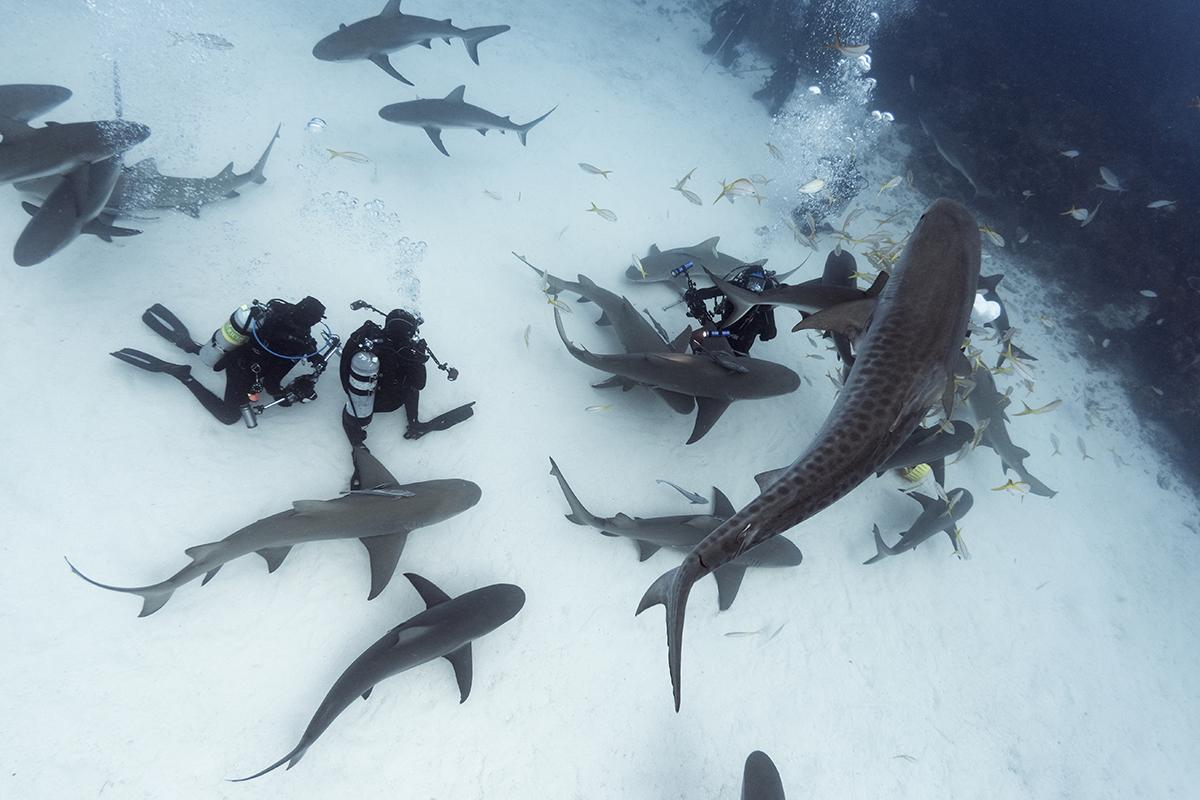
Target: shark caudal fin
[[671, 590], [882, 551], [291, 759], [523, 130], [256, 174], [153, 597], [473, 36], [579, 515]]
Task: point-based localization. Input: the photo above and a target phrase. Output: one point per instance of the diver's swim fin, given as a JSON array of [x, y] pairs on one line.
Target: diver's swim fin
[[441, 422], [162, 321], [152, 364]]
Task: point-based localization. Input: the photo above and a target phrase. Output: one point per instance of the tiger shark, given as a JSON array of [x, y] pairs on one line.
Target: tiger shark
[[713, 379], [445, 629], [683, 532], [760, 778], [936, 515], [452, 111], [381, 515], [657, 266], [373, 38], [142, 187], [904, 365], [989, 404]]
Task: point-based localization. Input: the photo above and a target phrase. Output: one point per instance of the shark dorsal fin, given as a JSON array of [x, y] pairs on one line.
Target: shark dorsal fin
[[392, 9], [431, 594], [341, 26], [765, 479], [710, 245], [654, 250], [227, 172], [721, 505], [147, 166], [680, 344], [456, 96]]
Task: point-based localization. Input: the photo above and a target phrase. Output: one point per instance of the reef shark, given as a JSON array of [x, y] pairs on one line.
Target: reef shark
[[808, 297], [954, 152], [27, 101], [989, 404], [373, 38], [27, 152], [445, 629], [683, 532], [987, 286], [658, 264], [930, 446], [452, 111], [142, 187], [713, 379], [936, 515], [72, 208], [904, 365], [381, 515], [760, 778], [634, 332]]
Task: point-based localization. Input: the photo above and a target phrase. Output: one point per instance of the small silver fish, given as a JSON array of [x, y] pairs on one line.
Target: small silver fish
[[891, 183], [691, 496], [596, 409], [603, 213], [1148, 293], [1069, 153], [603, 173], [349, 155], [209, 41], [492, 194], [1083, 448], [1054, 441], [813, 186], [1161, 204], [528, 328], [775, 151], [691, 197]]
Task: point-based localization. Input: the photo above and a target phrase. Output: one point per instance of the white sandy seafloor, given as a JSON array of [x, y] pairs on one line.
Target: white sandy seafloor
[[1059, 661]]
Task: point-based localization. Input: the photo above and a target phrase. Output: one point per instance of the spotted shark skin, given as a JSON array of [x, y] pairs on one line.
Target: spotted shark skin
[[905, 364]]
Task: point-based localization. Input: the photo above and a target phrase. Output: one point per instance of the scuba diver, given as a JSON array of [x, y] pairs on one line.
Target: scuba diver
[[383, 369], [256, 348], [757, 323]]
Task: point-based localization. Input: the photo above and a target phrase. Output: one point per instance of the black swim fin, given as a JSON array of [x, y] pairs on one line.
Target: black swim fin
[[441, 422], [152, 363], [162, 321]]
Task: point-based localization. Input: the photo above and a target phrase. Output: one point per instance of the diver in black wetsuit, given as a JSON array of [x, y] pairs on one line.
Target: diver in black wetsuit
[[757, 323], [256, 348], [383, 369]]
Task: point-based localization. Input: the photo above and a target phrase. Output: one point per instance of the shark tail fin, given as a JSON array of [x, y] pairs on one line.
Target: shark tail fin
[[256, 174], [579, 515], [291, 759], [882, 551], [523, 130], [473, 36], [671, 590], [153, 597]]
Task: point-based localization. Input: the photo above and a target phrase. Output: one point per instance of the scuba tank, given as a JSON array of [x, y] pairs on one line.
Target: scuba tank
[[229, 337], [360, 394]]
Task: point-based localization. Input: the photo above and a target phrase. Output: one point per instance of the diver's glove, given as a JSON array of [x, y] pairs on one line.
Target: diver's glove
[[416, 430], [301, 390]]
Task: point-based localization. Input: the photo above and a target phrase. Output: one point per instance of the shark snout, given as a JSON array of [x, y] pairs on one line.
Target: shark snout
[[327, 49], [124, 134], [504, 602]]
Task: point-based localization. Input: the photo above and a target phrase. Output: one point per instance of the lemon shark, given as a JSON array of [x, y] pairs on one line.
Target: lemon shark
[[453, 111], [381, 515], [683, 532], [656, 267], [936, 515], [760, 778], [373, 38], [989, 404], [913, 337], [445, 629], [712, 380]]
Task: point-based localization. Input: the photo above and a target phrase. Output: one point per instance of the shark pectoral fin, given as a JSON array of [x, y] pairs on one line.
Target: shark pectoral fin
[[708, 411], [482, 131], [680, 343], [722, 508], [939, 471], [604, 321], [232, 194], [435, 136], [78, 181], [646, 549], [611, 383], [430, 593], [367, 693], [460, 659], [729, 581], [274, 556], [849, 319], [385, 554], [103, 228], [765, 479], [926, 502], [381, 60], [427, 44], [30, 208], [212, 573], [679, 402], [371, 471]]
